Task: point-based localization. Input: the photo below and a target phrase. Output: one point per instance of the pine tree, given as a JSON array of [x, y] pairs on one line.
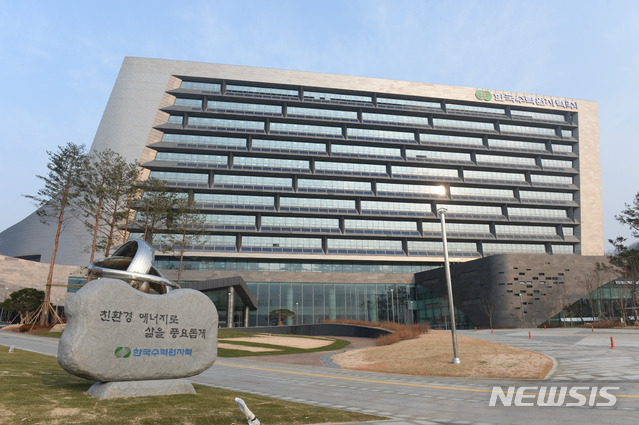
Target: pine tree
[[61, 188], [106, 184]]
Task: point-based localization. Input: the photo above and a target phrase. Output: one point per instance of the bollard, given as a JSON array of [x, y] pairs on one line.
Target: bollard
[[592, 328], [492, 331], [475, 328], [612, 342], [544, 327], [529, 335]]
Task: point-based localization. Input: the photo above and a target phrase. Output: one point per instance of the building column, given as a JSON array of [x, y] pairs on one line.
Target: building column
[[331, 302], [246, 316], [373, 314], [288, 293]]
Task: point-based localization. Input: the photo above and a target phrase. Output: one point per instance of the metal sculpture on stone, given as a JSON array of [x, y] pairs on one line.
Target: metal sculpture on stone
[[133, 262], [136, 332]]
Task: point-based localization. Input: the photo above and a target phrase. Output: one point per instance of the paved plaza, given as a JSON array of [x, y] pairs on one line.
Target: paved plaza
[[583, 358]]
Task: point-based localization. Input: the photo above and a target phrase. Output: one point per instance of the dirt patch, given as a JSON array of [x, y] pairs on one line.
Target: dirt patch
[[286, 341], [431, 355], [29, 329], [58, 412], [246, 348]]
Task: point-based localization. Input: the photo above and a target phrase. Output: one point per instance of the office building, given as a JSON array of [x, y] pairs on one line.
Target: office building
[[321, 191]]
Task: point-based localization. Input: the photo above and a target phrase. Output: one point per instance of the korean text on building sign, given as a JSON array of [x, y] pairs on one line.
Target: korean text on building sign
[[539, 101]]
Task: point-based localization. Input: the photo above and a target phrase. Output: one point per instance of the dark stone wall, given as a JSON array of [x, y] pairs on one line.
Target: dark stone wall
[[320, 329], [523, 290]]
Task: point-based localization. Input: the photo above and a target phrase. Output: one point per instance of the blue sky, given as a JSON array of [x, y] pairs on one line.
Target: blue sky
[[59, 60]]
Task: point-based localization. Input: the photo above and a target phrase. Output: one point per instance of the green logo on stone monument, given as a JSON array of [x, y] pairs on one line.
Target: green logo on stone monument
[[483, 95], [121, 352]]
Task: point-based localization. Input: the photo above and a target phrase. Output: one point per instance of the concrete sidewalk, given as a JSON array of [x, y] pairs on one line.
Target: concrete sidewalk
[[579, 353]]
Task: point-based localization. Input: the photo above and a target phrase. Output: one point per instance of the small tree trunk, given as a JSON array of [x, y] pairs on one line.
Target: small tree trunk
[[44, 312], [96, 224]]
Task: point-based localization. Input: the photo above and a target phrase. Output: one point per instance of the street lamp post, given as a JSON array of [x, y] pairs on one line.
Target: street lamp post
[[297, 318], [449, 286]]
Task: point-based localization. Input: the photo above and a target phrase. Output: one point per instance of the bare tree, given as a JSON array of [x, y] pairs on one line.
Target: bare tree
[[488, 307]]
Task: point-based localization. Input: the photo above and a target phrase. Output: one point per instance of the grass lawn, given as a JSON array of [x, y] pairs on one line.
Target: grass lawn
[[35, 390]]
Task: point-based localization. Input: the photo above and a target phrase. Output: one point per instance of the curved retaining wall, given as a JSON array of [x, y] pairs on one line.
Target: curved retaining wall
[[320, 329]]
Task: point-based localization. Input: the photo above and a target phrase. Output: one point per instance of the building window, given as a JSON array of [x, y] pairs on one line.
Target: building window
[[333, 185], [364, 133], [194, 103], [287, 146], [470, 125], [273, 164], [481, 192], [253, 108], [204, 140], [180, 177], [438, 173], [521, 129], [506, 248], [556, 196], [395, 119], [516, 144], [366, 151], [493, 176], [252, 182], [194, 158], [336, 97], [474, 109], [409, 104], [537, 212], [447, 140], [538, 115], [278, 127], [321, 113], [254, 91], [246, 201], [395, 208], [544, 179], [348, 168], [501, 229], [505, 160], [312, 204], [555, 163], [225, 123], [437, 155], [195, 85]]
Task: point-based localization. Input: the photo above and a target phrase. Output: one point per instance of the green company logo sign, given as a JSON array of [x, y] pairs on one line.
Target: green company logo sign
[[122, 352], [483, 95]]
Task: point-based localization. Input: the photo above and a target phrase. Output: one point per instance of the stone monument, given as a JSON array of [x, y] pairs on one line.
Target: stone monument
[[132, 341]]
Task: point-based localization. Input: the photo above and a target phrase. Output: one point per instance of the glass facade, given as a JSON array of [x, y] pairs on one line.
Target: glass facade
[[315, 302], [336, 176]]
